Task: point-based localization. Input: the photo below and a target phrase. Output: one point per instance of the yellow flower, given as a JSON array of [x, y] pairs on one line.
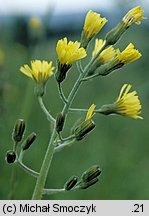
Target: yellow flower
[[99, 43], [106, 55], [40, 71], [87, 125], [35, 23], [129, 54], [128, 103], [69, 52], [93, 24], [135, 15], [90, 113]]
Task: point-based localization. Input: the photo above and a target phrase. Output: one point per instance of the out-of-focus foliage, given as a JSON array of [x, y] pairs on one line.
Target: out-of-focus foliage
[[119, 145]]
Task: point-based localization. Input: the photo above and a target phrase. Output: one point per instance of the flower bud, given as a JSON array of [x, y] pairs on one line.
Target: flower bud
[[71, 183], [114, 35], [91, 173], [62, 71], [28, 142], [18, 130], [10, 156], [60, 122], [85, 185], [84, 128]]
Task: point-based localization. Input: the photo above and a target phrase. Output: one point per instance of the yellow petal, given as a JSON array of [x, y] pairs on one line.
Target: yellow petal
[[90, 113]]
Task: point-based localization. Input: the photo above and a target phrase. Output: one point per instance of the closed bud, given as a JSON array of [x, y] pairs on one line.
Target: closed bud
[[62, 71], [60, 122], [10, 157], [114, 35], [91, 173], [29, 140], [18, 130], [84, 128], [71, 183], [85, 185]]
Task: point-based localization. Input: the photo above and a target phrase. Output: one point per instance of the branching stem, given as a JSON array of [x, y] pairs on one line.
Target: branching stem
[[41, 180], [79, 66]]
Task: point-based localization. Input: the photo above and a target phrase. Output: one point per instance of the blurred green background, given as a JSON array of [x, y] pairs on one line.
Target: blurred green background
[[119, 145]]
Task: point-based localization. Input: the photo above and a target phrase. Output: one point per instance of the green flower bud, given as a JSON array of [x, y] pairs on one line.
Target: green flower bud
[[10, 156], [107, 109], [71, 183], [84, 128], [60, 122], [18, 130], [114, 35], [85, 185], [62, 70], [29, 140], [91, 173]]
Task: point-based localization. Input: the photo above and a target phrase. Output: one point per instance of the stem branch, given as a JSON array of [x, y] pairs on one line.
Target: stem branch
[[53, 191], [62, 96], [41, 180], [49, 116], [27, 169]]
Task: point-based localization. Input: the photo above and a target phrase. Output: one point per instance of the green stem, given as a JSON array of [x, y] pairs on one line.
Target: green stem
[[53, 191], [79, 66], [21, 155], [49, 116], [37, 195], [69, 138], [72, 94], [62, 96], [91, 77], [27, 169], [84, 110], [38, 191], [79, 81], [65, 144]]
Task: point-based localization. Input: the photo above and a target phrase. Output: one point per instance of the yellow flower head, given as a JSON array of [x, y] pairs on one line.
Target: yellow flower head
[[40, 71], [128, 103], [106, 55], [87, 125], [99, 43], [90, 112], [69, 52], [35, 23], [93, 24], [129, 55], [135, 15]]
